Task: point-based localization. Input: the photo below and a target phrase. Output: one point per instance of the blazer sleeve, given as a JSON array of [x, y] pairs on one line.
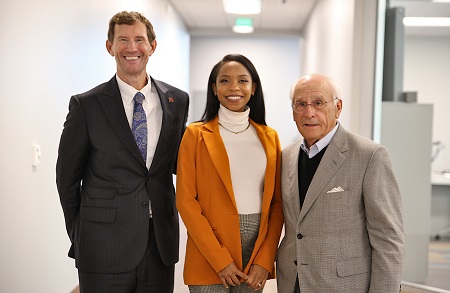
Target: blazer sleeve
[[189, 207], [383, 207], [73, 154]]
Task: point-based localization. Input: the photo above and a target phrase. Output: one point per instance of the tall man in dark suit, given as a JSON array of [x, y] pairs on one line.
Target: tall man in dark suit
[[341, 203], [114, 171]]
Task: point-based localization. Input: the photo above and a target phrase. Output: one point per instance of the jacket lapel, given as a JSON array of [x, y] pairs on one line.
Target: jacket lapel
[[271, 163], [167, 103], [331, 162], [218, 154], [293, 177], [111, 103], [271, 167]]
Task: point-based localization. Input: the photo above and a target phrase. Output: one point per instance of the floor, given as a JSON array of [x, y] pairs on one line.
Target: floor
[[438, 269], [439, 264]]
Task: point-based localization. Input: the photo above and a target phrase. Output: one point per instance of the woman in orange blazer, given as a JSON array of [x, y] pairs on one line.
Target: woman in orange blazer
[[228, 185]]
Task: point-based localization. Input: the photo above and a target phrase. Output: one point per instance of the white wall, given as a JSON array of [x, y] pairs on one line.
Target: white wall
[[328, 44], [339, 41], [52, 49]]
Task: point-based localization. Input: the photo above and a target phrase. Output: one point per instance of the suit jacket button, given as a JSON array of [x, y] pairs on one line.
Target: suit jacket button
[[145, 204], [299, 236], [295, 262]]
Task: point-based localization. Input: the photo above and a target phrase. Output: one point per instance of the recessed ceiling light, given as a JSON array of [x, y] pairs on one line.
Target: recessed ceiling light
[[426, 21], [242, 6]]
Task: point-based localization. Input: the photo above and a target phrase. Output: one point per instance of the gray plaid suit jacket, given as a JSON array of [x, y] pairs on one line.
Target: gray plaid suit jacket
[[342, 241]]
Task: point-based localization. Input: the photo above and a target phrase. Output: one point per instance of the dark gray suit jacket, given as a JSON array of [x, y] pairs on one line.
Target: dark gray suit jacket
[[104, 185]]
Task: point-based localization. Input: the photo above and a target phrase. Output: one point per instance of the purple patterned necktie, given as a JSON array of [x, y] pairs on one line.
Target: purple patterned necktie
[[139, 125]]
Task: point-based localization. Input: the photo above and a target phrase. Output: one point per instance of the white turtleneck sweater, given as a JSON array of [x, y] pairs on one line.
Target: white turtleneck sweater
[[246, 157]]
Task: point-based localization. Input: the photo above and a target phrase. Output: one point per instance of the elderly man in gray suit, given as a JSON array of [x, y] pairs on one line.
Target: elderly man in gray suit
[[341, 202]]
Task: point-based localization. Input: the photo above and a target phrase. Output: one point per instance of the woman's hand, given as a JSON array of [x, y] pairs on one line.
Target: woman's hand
[[230, 275], [257, 277]]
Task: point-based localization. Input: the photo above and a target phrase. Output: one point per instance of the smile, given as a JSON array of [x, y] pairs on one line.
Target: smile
[[132, 58], [234, 98]]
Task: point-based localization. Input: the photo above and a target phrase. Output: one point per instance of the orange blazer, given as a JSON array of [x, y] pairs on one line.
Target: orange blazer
[[205, 200]]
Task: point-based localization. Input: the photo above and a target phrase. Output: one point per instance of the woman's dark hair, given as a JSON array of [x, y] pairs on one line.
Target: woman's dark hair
[[256, 102]]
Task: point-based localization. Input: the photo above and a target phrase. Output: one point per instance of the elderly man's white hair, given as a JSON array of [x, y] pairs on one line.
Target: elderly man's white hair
[[330, 83]]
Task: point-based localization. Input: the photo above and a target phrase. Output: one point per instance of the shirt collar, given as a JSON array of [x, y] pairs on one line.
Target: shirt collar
[[319, 145], [128, 92]]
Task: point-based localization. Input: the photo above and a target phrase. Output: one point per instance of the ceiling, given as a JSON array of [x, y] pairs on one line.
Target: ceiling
[[206, 17], [277, 16]]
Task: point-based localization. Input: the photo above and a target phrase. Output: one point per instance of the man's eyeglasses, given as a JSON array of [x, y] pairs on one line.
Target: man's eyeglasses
[[300, 106]]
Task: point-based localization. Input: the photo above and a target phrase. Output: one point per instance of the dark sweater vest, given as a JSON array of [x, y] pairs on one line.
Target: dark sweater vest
[[306, 169]]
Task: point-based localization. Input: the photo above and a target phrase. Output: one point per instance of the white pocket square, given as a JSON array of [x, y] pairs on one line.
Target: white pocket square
[[336, 189]]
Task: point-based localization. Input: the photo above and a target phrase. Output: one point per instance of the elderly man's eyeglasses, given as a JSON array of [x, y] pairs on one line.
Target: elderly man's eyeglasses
[[300, 106]]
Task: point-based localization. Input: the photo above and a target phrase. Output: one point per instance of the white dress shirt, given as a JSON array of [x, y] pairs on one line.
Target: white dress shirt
[[153, 112]]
